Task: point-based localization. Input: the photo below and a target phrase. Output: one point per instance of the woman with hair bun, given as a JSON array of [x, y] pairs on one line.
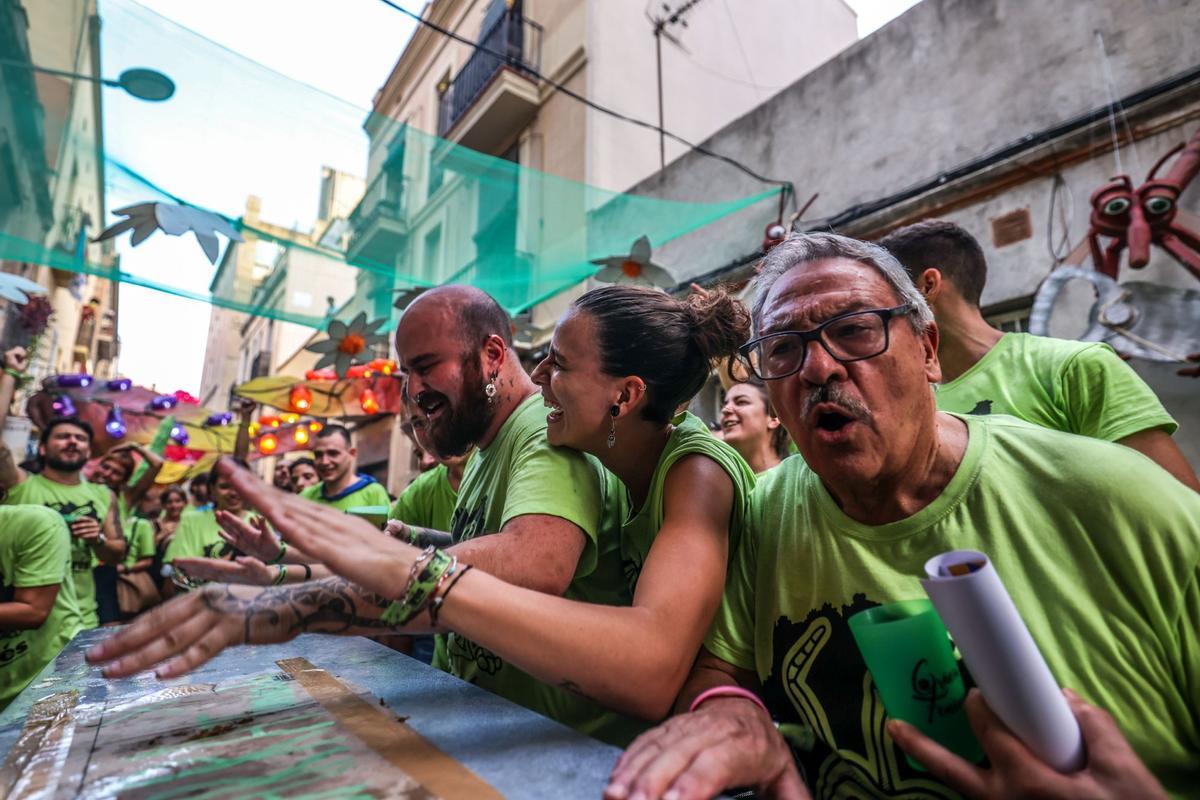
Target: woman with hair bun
[[750, 426]]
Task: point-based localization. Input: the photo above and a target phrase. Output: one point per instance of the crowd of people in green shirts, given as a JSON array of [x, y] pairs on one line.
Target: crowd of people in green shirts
[[588, 549]]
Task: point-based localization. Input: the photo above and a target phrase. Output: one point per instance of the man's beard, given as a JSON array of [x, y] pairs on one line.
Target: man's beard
[[464, 423], [64, 465]]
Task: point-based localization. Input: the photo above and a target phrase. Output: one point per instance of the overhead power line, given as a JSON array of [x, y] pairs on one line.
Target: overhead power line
[[787, 187]]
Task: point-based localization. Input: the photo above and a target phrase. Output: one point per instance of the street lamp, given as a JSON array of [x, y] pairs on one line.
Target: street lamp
[[144, 84]]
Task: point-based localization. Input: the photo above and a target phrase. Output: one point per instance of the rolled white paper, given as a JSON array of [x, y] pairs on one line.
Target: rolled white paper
[[1002, 656]]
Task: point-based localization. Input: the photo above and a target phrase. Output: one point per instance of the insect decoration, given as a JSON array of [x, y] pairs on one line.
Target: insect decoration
[[1136, 218]]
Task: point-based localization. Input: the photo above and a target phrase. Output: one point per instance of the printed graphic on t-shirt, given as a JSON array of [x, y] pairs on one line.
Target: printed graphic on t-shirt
[[468, 524], [463, 653], [982, 408], [12, 647], [819, 680]]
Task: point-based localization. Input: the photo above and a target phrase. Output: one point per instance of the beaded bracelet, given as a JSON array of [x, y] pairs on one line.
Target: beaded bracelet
[[282, 576], [441, 594], [279, 558], [419, 590]]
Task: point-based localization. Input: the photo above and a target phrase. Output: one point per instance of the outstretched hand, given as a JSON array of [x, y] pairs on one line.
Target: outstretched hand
[[348, 546], [245, 570], [253, 538], [189, 630], [1113, 769]]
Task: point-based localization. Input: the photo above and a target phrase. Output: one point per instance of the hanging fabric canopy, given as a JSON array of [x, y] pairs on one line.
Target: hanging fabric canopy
[[433, 212]]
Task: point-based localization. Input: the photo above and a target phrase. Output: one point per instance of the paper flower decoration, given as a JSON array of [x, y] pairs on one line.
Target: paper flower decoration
[[176, 220], [347, 342], [18, 289], [636, 268]]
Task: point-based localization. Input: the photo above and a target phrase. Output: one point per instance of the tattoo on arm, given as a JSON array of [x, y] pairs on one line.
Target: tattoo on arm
[[332, 605]]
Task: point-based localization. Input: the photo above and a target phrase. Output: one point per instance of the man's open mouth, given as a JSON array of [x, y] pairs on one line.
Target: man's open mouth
[[828, 417], [556, 412], [430, 404]]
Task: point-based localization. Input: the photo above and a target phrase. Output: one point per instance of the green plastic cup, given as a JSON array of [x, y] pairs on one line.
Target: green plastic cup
[[376, 515], [908, 653]]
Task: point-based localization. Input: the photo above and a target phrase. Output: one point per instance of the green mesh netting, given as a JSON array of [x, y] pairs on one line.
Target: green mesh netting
[[432, 212]]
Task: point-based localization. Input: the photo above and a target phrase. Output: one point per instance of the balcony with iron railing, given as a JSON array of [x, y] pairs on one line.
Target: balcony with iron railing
[[495, 94], [378, 226]]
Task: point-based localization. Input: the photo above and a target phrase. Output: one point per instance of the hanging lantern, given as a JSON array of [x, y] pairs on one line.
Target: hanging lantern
[[163, 402], [369, 402], [255, 427], [179, 434], [315, 426], [63, 407], [289, 419], [184, 397], [301, 398], [268, 443], [219, 419], [114, 423], [268, 422], [80, 381], [119, 385], [300, 435]]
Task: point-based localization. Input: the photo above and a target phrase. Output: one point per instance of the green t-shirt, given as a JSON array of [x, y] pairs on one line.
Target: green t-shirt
[[35, 550], [198, 536], [85, 499], [427, 502], [1098, 547], [1077, 387], [690, 436], [365, 491], [519, 474], [139, 540]]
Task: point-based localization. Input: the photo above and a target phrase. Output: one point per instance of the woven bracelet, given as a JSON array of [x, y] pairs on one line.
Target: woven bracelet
[[279, 558], [419, 590]]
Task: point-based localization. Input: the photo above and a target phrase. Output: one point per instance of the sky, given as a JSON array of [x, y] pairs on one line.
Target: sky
[[345, 48]]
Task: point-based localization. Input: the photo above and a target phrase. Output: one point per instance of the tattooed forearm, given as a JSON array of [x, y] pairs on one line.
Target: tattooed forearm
[[423, 537], [332, 605]]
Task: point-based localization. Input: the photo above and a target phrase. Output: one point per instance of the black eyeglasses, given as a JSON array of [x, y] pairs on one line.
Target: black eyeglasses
[[854, 336]]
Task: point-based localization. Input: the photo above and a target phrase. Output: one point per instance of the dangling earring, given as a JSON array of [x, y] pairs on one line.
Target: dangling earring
[[612, 429], [490, 390]]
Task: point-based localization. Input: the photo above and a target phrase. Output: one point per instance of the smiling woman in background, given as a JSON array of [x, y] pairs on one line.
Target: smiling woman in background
[[749, 425]]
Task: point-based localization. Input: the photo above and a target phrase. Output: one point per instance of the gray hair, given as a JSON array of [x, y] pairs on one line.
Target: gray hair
[[803, 248]]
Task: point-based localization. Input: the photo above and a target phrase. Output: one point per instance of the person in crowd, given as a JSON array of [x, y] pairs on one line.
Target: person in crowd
[[38, 612], [281, 477], [1097, 545], [115, 470], [673, 498], [303, 473], [750, 426], [198, 534], [341, 486], [428, 502], [1078, 387], [201, 494], [64, 447], [174, 500], [135, 586], [117, 467]]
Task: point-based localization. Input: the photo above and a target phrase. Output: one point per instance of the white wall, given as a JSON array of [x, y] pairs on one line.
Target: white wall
[[705, 88]]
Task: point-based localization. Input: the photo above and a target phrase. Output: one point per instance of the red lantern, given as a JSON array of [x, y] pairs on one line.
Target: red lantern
[[300, 435], [268, 444], [301, 398], [369, 402]]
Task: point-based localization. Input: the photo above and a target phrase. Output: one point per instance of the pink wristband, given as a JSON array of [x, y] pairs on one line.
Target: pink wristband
[[728, 691]]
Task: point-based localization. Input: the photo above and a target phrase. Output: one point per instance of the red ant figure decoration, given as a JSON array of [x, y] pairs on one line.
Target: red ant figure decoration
[[1150, 214]]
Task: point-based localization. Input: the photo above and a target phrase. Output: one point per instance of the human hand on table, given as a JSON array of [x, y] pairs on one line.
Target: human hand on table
[[348, 546], [727, 742], [189, 630], [245, 570], [1113, 769]]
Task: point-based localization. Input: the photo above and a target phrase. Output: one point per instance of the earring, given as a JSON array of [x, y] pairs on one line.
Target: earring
[[612, 429], [489, 389]]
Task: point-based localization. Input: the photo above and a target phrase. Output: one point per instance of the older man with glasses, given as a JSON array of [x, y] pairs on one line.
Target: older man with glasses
[[1098, 546]]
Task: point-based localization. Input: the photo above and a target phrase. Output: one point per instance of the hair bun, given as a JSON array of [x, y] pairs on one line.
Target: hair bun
[[720, 323]]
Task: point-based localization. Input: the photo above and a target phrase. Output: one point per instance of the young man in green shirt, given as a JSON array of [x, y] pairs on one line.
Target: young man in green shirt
[[1077, 387], [335, 457], [89, 509], [199, 535], [38, 612], [1098, 547]]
